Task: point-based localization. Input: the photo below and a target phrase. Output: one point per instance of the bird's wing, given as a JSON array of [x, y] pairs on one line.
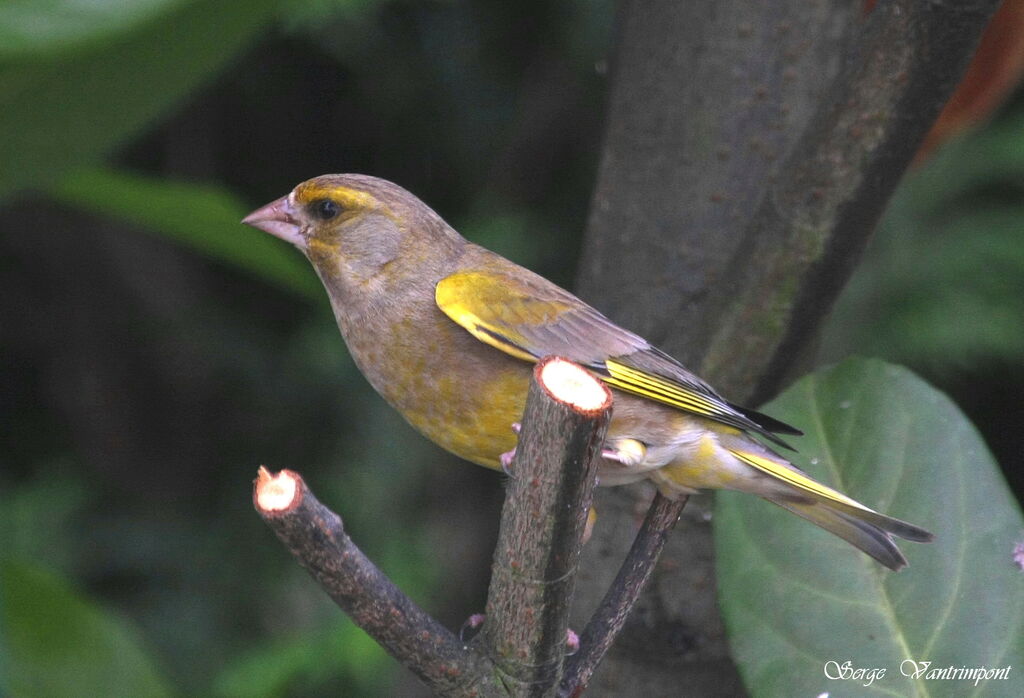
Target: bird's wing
[[528, 317]]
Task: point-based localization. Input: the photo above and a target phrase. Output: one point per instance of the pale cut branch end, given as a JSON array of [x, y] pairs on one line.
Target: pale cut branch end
[[546, 508], [276, 493], [568, 382]]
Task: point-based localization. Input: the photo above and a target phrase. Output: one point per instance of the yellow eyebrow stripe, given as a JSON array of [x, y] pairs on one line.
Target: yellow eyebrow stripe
[[346, 197]]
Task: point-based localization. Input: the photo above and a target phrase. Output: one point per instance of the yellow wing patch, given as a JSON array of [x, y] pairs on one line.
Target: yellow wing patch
[[452, 295], [648, 385], [797, 480], [528, 319]]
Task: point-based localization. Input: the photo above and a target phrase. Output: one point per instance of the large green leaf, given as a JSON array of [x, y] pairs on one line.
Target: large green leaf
[[46, 27], [203, 217], [57, 644], [795, 597], [63, 111]]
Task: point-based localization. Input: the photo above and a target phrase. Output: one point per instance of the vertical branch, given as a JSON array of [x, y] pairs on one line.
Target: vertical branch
[[706, 100], [546, 507]]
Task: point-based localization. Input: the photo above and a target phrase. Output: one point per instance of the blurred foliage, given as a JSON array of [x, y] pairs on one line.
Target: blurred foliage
[[947, 262], [30, 28], [57, 644], [204, 218], [147, 382], [941, 286], [880, 434], [146, 376], [70, 103]]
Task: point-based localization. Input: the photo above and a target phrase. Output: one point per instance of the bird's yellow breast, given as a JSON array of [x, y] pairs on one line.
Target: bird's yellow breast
[[458, 392], [477, 426]]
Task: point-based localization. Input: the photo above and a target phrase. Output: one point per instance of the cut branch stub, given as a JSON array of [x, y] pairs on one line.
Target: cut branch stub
[[549, 495], [316, 536]]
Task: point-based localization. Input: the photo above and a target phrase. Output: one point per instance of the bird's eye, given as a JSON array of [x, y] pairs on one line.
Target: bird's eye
[[325, 209]]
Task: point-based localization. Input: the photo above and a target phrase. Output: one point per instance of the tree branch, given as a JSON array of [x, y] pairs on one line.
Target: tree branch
[[707, 99], [546, 507], [632, 578], [316, 536], [811, 226], [536, 559], [750, 148]]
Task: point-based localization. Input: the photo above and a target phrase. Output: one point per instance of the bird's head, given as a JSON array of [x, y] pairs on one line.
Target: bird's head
[[356, 226]]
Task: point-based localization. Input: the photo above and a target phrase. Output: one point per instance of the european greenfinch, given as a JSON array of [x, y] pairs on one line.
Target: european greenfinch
[[446, 332]]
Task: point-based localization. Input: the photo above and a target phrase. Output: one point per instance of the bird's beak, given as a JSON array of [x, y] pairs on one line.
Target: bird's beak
[[278, 219]]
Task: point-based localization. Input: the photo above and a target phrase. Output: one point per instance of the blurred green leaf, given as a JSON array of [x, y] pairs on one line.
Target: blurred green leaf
[[57, 26], [203, 217], [795, 597], [304, 15], [37, 516], [993, 155], [59, 114], [942, 284], [308, 660], [59, 644]]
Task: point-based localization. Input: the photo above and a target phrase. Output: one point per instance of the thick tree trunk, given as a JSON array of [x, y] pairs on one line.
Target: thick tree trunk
[[749, 150]]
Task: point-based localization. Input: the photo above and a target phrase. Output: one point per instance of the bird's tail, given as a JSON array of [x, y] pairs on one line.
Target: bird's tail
[[865, 535], [855, 523]]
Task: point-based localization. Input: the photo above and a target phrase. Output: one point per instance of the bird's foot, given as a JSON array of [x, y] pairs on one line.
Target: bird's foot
[[506, 461], [472, 623], [506, 458], [572, 640], [627, 452]]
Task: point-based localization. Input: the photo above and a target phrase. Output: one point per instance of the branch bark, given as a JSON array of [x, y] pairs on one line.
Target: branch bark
[[522, 647], [316, 536], [707, 99], [636, 570], [750, 149], [549, 496], [810, 228]]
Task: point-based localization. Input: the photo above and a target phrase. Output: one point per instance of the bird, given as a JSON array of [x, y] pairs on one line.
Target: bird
[[447, 331]]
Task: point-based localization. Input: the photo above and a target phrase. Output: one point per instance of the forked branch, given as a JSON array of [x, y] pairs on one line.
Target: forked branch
[[521, 650]]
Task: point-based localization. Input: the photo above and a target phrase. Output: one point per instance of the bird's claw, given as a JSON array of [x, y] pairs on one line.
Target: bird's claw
[[506, 461], [472, 623], [506, 458], [627, 452], [572, 640]]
